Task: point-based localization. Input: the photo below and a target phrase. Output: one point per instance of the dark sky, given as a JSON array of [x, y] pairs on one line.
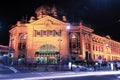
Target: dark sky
[[102, 15]]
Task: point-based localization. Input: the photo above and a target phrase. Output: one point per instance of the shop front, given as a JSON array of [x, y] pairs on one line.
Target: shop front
[[47, 57]]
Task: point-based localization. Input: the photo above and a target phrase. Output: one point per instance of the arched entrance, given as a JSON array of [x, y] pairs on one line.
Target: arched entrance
[[74, 42], [22, 56], [47, 54]]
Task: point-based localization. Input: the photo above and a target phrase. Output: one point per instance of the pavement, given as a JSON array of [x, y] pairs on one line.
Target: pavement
[[41, 68], [43, 72], [46, 68]]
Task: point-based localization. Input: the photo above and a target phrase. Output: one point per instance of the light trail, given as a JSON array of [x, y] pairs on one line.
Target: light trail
[[74, 74]]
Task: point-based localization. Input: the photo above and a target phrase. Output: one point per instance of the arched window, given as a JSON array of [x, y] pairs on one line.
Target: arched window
[[23, 37], [22, 42], [47, 48]]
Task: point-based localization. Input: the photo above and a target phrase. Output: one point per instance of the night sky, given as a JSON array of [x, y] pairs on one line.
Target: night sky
[[102, 15]]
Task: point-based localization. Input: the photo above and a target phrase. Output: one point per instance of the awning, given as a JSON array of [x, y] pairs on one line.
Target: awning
[[46, 52]]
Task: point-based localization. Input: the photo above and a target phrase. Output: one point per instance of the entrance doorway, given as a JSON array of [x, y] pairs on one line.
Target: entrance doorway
[[47, 54]]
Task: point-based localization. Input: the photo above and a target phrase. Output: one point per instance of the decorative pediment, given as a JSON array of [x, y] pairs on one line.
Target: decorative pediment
[[47, 21]]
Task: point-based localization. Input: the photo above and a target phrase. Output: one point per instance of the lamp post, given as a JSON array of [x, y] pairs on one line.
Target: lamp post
[[60, 61], [69, 63], [68, 28], [59, 40]]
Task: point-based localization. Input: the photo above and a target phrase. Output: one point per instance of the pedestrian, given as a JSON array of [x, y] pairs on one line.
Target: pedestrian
[[112, 66]]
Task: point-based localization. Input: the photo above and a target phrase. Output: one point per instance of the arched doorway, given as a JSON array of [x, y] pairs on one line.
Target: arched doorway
[[22, 56], [47, 54], [74, 41]]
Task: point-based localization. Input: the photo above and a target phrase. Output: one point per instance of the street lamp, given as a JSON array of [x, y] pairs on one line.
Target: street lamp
[[68, 27], [60, 61], [69, 63], [59, 40]]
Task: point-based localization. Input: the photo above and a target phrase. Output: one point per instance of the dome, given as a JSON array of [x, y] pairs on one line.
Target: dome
[[44, 10]]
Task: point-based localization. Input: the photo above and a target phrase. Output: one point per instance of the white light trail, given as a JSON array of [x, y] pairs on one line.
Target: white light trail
[[74, 74]]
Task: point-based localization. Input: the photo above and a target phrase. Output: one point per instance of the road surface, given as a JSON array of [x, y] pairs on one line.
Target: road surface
[[98, 75]]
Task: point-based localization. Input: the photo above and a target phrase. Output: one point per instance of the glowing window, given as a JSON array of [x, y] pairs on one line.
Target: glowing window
[[58, 32], [50, 32], [44, 33], [24, 36], [38, 32]]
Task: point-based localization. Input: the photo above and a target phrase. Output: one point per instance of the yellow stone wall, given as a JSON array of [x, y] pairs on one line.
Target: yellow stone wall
[[50, 23]]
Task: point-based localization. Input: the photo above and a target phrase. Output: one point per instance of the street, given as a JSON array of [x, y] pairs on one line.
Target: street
[[63, 75], [106, 77]]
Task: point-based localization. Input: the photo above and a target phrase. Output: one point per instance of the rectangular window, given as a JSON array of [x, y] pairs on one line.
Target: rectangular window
[[87, 46], [22, 46], [44, 33], [51, 33], [58, 32], [38, 32], [74, 45]]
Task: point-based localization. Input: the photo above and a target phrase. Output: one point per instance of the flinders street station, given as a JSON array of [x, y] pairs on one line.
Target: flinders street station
[[50, 37]]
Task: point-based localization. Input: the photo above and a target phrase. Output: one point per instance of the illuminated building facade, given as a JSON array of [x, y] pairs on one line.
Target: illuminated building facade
[[47, 36]]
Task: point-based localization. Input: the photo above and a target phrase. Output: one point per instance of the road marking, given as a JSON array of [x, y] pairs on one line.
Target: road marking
[[78, 74], [13, 69]]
